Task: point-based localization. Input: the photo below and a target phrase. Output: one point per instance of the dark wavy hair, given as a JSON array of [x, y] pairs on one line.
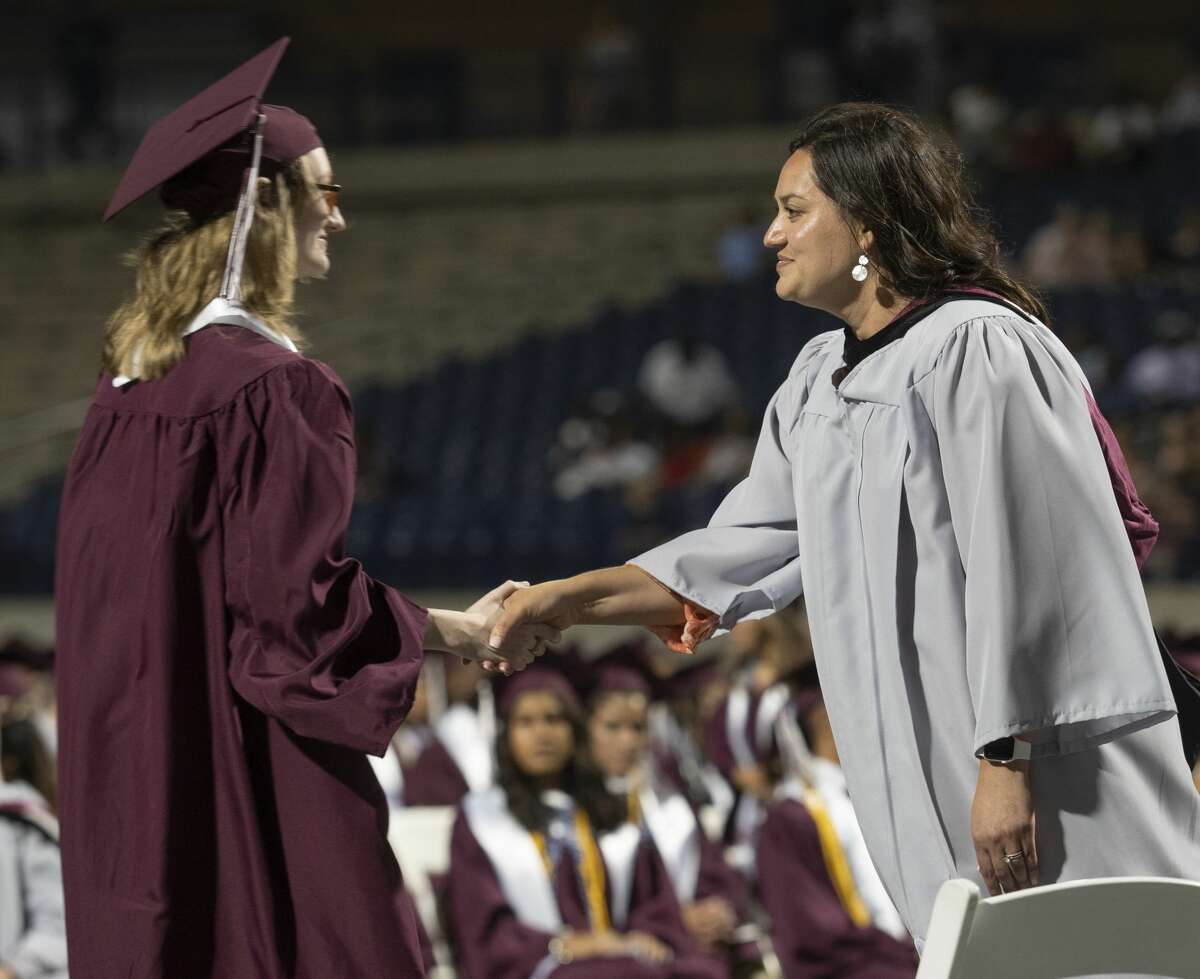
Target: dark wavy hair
[[582, 780], [882, 167]]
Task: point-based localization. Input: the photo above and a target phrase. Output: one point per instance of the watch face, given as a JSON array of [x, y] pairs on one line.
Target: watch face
[[999, 750]]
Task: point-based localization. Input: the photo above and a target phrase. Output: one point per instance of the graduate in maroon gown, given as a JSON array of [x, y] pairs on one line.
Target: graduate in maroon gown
[[546, 875], [223, 665], [712, 895], [830, 915], [458, 758]]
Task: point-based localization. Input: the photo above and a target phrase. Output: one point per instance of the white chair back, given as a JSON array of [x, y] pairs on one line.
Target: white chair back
[[1121, 925], [420, 838]]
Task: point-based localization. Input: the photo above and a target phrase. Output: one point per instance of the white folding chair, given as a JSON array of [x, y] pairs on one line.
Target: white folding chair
[[1126, 925], [420, 838]]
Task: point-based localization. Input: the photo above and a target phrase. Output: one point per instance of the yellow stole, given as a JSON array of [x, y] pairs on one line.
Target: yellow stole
[[836, 863], [591, 869]]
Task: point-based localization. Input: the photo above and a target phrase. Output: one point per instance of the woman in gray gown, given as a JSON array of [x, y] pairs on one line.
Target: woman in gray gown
[[931, 478]]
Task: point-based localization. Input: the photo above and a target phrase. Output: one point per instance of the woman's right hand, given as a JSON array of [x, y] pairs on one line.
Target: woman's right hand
[[550, 605]]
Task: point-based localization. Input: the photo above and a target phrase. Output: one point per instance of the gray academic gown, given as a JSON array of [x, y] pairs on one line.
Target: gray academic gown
[[949, 516]]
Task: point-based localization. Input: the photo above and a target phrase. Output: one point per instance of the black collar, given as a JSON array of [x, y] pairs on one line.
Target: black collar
[[856, 350]]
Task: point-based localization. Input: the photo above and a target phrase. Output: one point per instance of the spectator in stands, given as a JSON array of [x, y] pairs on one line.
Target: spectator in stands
[[687, 381], [1042, 142], [1095, 359], [610, 54], [33, 941], [1054, 255], [979, 114], [602, 450], [729, 452], [1182, 108], [739, 248], [223, 666], [544, 868], [1119, 134], [1097, 247], [1182, 250], [711, 896], [1168, 370]]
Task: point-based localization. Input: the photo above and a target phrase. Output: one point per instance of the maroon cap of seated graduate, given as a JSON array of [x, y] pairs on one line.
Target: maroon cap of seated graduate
[[199, 152]]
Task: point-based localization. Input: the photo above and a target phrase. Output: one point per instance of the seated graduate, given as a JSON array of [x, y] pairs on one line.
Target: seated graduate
[[547, 877], [711, 894], [458, 757], [830, 915], [771, 657], [33, 935], [690, 693]]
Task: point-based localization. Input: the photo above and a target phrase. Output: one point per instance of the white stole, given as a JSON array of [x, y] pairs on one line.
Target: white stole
[[773, 700], [515, 859], [522, 874], [461, 734], [676, 834], [737, 715], [830, 783], [619, 849], [220, 311]]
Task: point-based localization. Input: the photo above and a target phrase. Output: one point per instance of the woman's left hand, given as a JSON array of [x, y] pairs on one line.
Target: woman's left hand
[[1003, 824]]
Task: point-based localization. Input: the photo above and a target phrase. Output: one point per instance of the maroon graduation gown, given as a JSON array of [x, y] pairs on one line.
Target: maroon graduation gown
[[222, 668], [718, 879], [434, 779], [814, 937], [491, 943]]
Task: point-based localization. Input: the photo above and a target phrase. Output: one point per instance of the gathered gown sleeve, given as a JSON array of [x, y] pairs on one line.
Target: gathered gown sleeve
[[315, 641], [745, 563], [1059, 643]]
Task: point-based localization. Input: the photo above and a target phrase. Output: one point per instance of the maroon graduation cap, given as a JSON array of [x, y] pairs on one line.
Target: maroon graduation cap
[[206, 155], [549, 674]]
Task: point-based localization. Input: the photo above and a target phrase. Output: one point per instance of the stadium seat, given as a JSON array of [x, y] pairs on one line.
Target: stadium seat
[[1140, 925]]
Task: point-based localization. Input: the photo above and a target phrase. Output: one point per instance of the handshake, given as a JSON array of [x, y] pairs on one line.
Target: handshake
[[509, 627], [506, 629]]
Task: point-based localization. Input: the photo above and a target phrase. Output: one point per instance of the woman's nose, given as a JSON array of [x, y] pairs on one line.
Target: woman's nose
[[335, 221], [774, 236]]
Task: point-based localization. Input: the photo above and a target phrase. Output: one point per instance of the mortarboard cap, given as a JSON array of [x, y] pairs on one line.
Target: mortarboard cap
[[622, 669], [188, 140], [546, 675]]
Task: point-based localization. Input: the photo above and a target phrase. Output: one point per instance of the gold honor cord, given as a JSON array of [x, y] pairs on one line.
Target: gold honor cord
[[591, 870], [634, 806], [835, 861]]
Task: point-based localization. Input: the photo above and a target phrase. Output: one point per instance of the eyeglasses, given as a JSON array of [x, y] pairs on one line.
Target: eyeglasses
[[330, 193]]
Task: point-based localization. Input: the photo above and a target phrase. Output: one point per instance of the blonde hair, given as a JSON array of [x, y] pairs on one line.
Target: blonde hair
[[179, 271]]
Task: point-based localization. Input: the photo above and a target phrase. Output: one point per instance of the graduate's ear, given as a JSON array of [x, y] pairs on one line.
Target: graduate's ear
[[266, 192], [866, 240]]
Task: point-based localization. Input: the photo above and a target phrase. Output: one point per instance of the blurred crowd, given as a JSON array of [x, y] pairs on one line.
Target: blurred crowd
[[674, 816]]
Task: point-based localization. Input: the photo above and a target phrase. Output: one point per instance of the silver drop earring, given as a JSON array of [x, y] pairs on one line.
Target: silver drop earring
[[859, 272]]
